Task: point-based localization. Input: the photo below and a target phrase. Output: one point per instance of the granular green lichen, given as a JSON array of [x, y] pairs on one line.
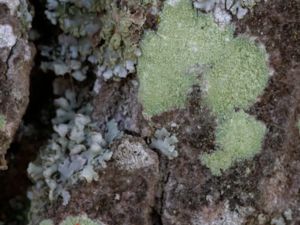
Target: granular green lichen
[[2, 121], [82, 220], [237, 138], [232, 71], [72, 220]]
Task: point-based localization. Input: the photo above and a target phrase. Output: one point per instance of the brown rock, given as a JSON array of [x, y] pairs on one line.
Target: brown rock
[[16, 59], [125, 192]]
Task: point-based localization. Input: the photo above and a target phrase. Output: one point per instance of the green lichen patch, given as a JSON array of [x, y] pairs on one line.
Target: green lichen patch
[[2, 121], [233, 70], [82, 220], [238, 138], [238, 79], [47, 222]]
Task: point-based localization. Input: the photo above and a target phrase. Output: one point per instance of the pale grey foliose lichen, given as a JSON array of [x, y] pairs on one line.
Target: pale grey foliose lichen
[[165, 142], [74, 152], [112, 132], [224, 9], [99, 37]]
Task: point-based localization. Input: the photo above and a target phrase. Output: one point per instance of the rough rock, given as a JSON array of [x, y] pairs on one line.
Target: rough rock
[[125, 192], [140, 187], [16, 59], [258, 191]]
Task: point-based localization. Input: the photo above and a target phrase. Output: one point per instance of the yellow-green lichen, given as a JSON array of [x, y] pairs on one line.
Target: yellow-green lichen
[[2, 121], [233, 70], [237, 138]]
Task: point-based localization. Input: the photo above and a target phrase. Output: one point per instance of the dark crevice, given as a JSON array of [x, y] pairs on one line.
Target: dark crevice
[[158, 210], [8, 58], [33, 132], [156, 217]]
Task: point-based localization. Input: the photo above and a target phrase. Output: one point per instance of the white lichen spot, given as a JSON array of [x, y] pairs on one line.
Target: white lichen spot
[[193, 46], [221, 16], [132, 156], [89, 174], [27, 55], [173, 2], [206, 5], [7, 36], [97, 86], [288, 214], [11, 4], [221, 215]]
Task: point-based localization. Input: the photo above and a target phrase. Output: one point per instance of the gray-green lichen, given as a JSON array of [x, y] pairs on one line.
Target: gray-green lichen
[[98, 36], [221, 8], [165, 143], [75, 152], [188, 50]]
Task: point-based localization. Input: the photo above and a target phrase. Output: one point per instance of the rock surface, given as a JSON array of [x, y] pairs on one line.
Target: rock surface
[[140, 186], [16, 59], [125, 192]]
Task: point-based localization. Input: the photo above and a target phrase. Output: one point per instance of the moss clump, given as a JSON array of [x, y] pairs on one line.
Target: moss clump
[[2, 121], [237, 138], [234, 70]]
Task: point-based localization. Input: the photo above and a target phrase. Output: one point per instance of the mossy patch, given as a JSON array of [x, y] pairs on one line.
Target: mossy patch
[[233, 70], [237, 138]]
